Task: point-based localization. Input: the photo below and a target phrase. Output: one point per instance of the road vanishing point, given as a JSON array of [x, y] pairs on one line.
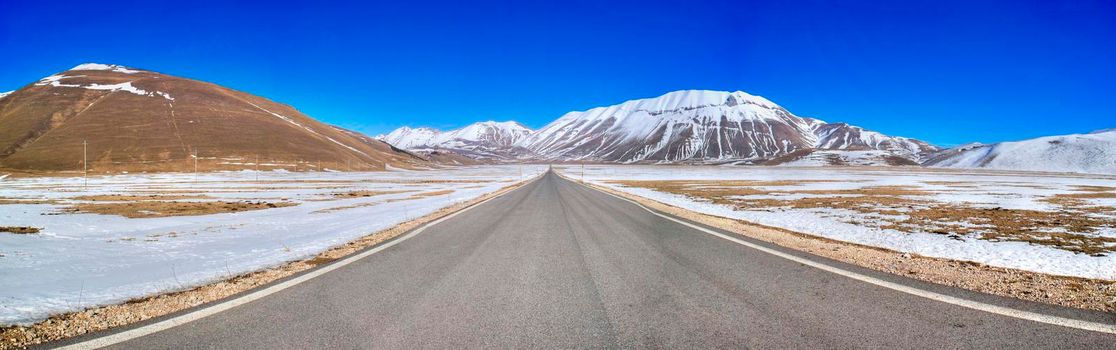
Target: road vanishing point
[[556, 264]]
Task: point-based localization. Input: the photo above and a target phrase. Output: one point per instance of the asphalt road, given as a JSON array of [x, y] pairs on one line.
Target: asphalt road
[[558, 265]]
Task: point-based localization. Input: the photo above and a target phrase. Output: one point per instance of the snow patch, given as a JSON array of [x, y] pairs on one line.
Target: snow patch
[[481, 137], [56, 81], [83, 260], [1082, 153], [108, 67], [1011, 191]]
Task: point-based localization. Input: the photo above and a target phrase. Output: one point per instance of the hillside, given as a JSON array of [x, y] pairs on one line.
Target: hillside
[[1085, 153], [138, 120]]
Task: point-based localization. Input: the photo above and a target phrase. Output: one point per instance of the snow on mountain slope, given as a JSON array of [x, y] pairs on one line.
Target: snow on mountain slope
[[1085, 153], [841, 157], [678, 126], [701, 126], [842, 136], [3, 94], [485, 134], [488, 139], [409, 138], [139, 120]]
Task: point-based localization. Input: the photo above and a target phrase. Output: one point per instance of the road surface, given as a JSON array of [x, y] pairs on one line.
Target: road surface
[[555, 264]]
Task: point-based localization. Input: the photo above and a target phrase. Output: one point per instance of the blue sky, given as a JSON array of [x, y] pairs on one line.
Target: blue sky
[[946, 72]]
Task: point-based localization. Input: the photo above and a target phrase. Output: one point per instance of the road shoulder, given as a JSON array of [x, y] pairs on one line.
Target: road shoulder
[[1062, 291], [104, 320]]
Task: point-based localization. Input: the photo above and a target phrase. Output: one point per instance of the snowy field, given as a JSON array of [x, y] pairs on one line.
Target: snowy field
[[1064, 225], [81, 259]]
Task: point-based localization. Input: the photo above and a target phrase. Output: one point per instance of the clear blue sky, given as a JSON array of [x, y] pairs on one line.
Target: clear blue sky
[[943, 71]]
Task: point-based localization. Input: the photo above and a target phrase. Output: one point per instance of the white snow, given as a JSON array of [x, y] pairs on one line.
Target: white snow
[[855, 158], [993, 189], [109, 67], [1083, 153], [641, 121], [56, 81], [483, 138], [83, 260], [687, 125], [4, 94], [841, 136], [698, 125], [410, 138]]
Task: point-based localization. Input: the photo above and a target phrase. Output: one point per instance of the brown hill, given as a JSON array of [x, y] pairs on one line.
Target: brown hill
[[135, 120]]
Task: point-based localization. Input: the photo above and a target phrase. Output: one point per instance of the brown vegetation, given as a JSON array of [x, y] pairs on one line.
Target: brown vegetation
[[898, 208], [101, 318], [19, 230], [205, 127], [366, 193], [1059, 290], [133, 197], [149, 209]]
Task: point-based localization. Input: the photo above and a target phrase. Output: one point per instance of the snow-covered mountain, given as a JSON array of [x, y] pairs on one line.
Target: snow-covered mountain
[[410, 138], [841, 136], [483, 140], [704, 126], [1086, 153], [2, 94]]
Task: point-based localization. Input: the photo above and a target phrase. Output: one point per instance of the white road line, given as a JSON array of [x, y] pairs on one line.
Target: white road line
[[247, 298], [975, 305]]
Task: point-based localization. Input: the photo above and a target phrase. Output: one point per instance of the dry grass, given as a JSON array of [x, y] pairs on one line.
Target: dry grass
[[20, 230], [367, 193], [150, 209], [431, 194], [4, 201], [1080, 201], [1090, 188], [996, 224], [132, 197], [1058, 290], [102, 318], [898, 208]]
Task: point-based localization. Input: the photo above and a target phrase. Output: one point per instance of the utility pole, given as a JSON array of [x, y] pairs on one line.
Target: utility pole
[[85, 162], [583, 172], [195, 165]]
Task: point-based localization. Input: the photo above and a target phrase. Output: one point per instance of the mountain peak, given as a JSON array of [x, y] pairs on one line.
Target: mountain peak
[[507, 125], [690, 99], [108, 67]]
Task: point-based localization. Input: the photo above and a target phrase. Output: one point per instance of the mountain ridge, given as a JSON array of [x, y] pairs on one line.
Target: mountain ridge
[[692, 126], [1093, 152], [486, 140]]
